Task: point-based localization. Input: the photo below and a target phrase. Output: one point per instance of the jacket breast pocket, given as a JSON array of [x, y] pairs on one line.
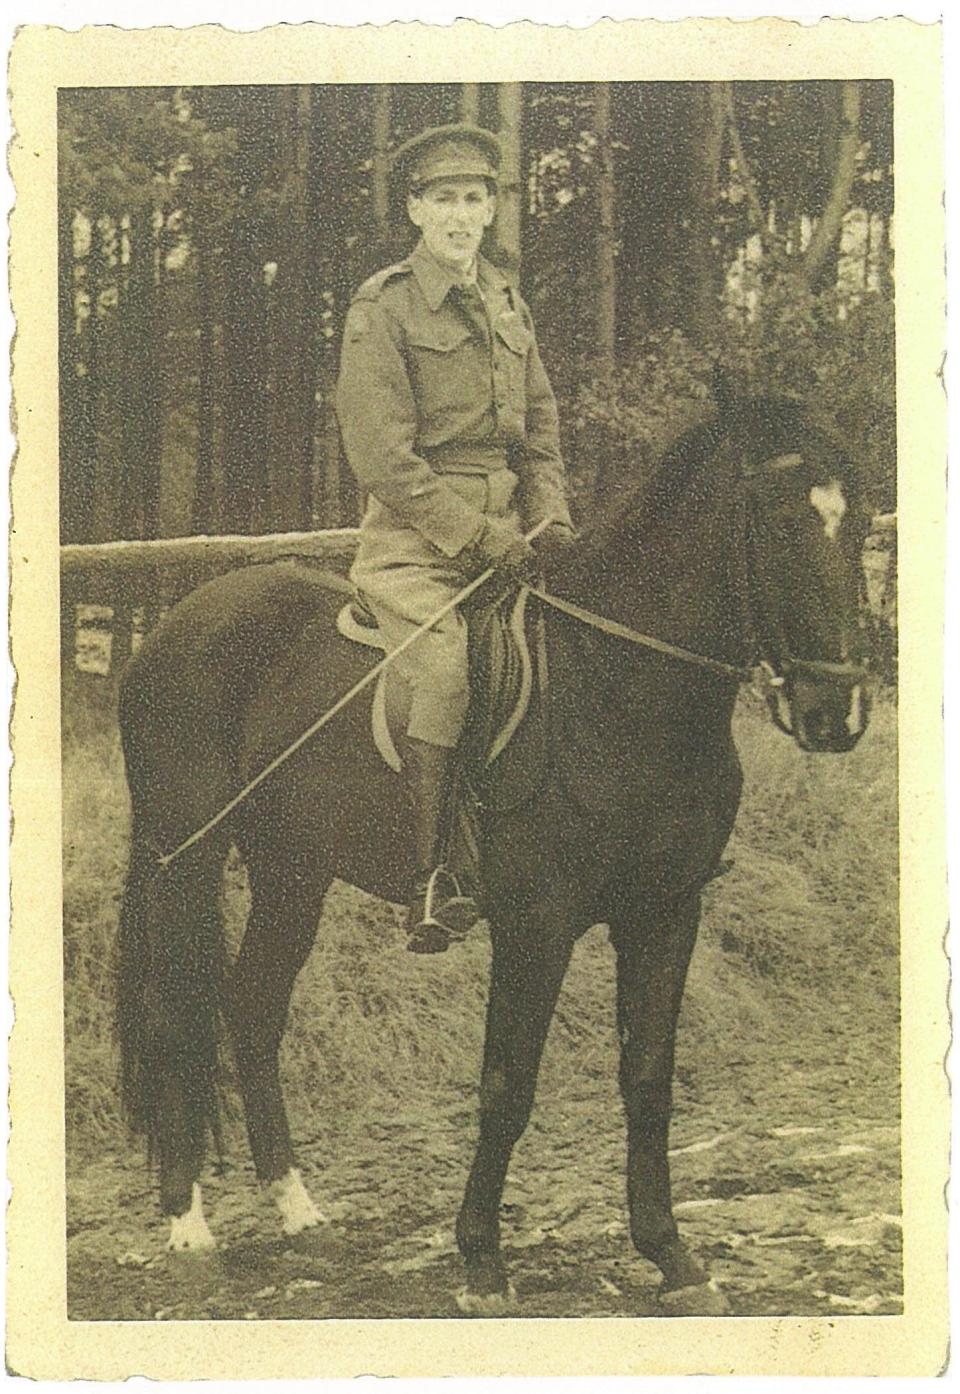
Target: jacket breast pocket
[[443, 365], [511, 350], [512, 331]]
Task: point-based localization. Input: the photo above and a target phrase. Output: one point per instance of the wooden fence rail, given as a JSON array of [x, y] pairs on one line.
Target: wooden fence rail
[[113, 592], [95, 564]]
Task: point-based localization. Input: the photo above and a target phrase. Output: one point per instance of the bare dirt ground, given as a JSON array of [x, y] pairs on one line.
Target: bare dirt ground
[[786, 1178]]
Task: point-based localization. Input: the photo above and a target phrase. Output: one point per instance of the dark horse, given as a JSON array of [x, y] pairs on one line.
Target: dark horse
[[742, 543]]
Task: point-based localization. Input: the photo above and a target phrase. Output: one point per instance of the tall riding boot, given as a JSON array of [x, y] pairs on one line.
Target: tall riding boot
[[437, 913]]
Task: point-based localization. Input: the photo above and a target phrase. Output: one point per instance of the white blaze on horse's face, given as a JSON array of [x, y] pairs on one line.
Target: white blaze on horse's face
[[830, 503]]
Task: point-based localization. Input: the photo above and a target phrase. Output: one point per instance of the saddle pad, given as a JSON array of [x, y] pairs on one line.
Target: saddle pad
[[354, 622]]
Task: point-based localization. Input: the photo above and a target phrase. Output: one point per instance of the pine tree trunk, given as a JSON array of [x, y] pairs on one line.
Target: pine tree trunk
[[382, 101], [292, 352], [507, 227], [140, 385], [831, 97], [130, 331], [202, 520], [245, 404], [705, 149], [154, 364], [815, 261], [76, 473], [102, 523], [605, 254], [470, 102], [336, 275]]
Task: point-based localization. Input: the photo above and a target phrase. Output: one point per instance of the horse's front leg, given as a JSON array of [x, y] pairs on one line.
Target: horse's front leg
[[529, 962], [653, 955]]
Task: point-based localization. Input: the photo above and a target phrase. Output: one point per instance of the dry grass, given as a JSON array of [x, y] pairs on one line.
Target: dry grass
[[808, 910]]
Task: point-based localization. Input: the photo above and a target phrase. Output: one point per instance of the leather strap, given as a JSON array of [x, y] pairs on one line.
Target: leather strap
[[633, 636]]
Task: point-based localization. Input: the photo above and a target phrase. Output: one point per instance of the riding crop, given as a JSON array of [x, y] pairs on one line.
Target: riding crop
[[339, 705]]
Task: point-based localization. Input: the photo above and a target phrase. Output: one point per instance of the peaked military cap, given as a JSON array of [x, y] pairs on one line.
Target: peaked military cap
[[457, 151]]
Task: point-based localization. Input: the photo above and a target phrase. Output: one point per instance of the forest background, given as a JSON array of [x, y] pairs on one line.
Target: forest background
[[211, 239]]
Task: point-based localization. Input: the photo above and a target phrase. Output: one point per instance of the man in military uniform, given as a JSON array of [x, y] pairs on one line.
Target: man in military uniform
[[450, 426]]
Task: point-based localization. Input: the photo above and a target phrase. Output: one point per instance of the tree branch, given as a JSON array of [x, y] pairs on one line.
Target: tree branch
[[744, 172], [827, 229]]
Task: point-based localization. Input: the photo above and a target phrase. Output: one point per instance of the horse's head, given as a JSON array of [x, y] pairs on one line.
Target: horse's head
[[806, 531]]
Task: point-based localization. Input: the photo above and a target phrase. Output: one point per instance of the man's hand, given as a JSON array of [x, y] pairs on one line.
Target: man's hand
[[500, 546]]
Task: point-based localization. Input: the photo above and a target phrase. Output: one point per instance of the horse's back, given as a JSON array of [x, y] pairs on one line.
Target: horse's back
[[236, 621], [184, 696]]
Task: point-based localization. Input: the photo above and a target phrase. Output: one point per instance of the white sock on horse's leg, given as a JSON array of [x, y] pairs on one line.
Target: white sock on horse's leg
[[292, 1199], [190, 1231]]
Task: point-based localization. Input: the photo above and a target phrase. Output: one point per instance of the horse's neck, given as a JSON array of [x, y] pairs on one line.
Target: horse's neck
[[680, 575]]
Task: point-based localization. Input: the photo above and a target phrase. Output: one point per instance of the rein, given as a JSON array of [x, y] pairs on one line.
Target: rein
[[770, 682], [633, 636], [599, 622]]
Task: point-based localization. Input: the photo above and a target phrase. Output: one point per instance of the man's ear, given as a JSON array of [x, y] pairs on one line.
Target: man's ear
[[414, 206], [491, 210]]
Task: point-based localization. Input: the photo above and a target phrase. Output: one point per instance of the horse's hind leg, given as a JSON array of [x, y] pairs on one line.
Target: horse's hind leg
[[287, 893], [527, 970], [170, 965], [653, 955]]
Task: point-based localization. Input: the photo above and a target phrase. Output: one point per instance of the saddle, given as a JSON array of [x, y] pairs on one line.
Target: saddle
[[507, 664]]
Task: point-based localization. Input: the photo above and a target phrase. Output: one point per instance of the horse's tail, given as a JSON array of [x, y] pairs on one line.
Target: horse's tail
[[171, 962]]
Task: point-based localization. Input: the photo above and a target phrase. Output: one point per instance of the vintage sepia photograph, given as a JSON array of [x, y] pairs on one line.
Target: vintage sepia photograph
[[477, 519]]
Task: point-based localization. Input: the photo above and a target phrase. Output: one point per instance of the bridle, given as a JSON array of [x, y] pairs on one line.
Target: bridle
[[771, 680], [775, 679]]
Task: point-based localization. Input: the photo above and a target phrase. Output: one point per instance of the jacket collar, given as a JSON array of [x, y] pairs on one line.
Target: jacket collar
[[435, 280]]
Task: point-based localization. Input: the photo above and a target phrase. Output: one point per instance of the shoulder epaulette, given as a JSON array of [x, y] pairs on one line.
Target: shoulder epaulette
[[373, 285]]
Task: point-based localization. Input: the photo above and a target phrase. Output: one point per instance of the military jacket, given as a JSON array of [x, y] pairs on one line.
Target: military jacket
[[435, 380]]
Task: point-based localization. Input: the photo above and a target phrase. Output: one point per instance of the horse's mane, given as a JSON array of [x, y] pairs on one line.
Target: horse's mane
[[754, 427]]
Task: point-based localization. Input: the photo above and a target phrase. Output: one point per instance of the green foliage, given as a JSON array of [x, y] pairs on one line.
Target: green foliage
[[622, 423], [124, 149], [204, 184], [834, 353], [835, 357]]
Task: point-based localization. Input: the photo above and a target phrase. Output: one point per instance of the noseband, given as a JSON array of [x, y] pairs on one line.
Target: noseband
[[772, 680]]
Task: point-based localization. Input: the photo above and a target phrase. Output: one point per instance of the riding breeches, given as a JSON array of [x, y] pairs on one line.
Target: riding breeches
[[405, 581]]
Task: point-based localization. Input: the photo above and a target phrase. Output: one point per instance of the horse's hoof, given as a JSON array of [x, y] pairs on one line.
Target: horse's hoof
[[488, 1304], [198, 1243], [677, 1264], [694, 1300]]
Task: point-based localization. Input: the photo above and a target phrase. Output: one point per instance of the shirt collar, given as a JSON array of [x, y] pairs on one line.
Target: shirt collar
[[435, 280]]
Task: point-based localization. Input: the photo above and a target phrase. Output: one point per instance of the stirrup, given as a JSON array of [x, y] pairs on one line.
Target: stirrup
[[443, 919]]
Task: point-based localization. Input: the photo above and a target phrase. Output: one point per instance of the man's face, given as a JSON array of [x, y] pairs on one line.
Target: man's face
[[452, 215]]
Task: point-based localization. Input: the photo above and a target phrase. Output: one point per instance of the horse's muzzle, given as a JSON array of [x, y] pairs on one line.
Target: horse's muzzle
[[829, 705]]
